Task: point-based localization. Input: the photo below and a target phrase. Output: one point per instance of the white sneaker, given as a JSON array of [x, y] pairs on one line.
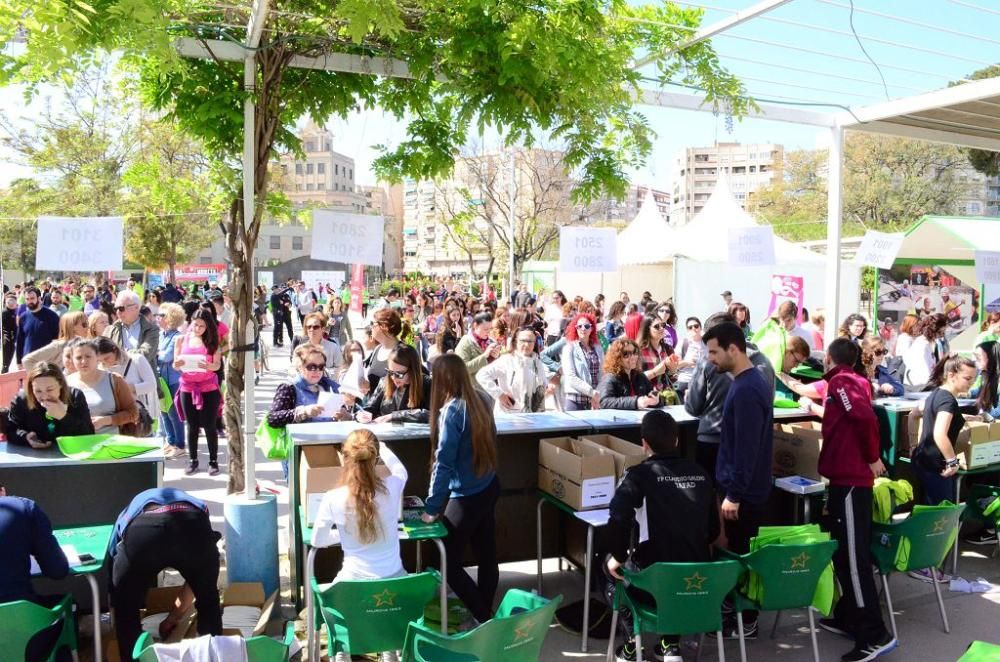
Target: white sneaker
[[388, 656], [342, 657]]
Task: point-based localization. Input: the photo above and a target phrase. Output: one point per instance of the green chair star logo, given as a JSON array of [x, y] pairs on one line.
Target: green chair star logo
[[385, 599], [800, 561], [695, 582]]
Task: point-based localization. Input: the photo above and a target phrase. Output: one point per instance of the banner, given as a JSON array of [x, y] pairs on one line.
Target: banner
[[988, 267], [318, 280], [357, 288], [347, 238], [585, 249], [79, 244], [879, 249], [198, 273], [751, 246], [787, 288], [265, 278]]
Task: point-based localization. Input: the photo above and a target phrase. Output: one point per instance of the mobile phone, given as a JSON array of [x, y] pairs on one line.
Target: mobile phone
[[86, 558]]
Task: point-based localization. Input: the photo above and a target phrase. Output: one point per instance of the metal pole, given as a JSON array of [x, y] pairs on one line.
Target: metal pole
[[833, 223], [249, 156], [510, 218]]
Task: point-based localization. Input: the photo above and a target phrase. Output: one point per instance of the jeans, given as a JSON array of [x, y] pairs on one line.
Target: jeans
[[471, 520], [170, 422]]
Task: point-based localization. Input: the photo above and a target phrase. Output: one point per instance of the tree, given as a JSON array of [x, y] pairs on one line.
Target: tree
[[888, 183], [550, 66], [20, 206]]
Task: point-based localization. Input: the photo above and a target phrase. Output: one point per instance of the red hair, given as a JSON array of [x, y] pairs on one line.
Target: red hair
[[632, 323], [571, 329]]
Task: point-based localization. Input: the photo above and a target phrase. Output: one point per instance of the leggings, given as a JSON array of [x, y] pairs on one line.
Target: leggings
[[202, 419], [471, 520]]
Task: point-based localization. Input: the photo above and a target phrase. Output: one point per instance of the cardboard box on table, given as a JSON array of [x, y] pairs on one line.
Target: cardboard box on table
[[320, 470], [624, 453], [978, 444], [581, 475], [796, 449]]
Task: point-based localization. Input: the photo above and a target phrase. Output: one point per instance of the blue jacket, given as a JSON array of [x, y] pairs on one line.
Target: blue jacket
[[26, 531], [160, 496], [165, 359], [743, 469], [883, 376], [453, 474]]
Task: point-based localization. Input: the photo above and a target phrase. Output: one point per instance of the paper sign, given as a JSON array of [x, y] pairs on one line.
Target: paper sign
[[583, 249], [879, 249], [751, 246], [597, 491], [988, 267], [331, 403], [347, 238], [189, 362], [318, 281], [79, 244], [787, 288]]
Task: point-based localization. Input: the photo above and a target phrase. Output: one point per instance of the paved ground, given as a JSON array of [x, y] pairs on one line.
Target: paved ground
[[921, 635]]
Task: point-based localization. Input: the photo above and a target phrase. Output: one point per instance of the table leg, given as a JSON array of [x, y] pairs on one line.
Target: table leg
[[806, 509], [954, 550], [538, 540], [420, 562], [95, 596], [312, 641], [586, 588], [444, 585]]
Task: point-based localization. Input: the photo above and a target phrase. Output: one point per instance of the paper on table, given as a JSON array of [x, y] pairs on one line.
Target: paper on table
[[71, 556], [189, 362], [593, 517], [331, 403]]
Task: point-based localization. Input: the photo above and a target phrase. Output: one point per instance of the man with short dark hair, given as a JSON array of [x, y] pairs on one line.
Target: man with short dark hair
[[743, 468], [37, 326], [676, 495], [281, 311]]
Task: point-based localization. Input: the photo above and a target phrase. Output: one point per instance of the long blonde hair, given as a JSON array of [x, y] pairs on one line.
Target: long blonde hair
[[360, 454]]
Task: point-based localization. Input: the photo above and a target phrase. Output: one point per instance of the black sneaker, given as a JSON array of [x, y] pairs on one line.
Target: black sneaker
[[667, 652], [834, 626], [871, 651], [213, 468], [731, 629], [984, 537], [625, 652], [192, 467]]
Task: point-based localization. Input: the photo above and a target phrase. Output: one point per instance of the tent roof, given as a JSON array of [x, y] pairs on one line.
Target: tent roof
[[949, 238], [648, 238], [705, 237]]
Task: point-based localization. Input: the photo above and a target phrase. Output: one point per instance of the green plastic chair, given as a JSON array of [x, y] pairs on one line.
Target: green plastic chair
[[980, 651], [259, 649], [371, 616], [930, 534], [688, 600], [21, 620], [974, 511], [789, 575], [514, 634]]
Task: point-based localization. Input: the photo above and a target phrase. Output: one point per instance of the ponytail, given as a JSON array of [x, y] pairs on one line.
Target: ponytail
[[360, 453]]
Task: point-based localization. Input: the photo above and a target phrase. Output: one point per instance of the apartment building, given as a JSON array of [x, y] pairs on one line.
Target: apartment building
[[697, 170]]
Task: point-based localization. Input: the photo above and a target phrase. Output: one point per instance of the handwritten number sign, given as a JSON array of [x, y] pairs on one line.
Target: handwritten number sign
[[751, 246], [988, 267], [879, 249], [347, 238], [583, 249], [79, 244]]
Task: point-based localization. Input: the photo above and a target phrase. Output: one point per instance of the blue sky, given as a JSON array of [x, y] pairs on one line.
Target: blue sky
[[769, 72]]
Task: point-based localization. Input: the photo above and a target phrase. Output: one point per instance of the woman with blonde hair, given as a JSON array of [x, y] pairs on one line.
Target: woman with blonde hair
[[364, 509], [71, 325], [97, 322]]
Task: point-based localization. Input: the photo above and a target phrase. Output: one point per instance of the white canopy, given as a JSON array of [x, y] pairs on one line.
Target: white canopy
[[706, 236], [648, 238]]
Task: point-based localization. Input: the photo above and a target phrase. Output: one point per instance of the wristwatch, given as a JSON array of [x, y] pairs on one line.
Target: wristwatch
[[953, 462]]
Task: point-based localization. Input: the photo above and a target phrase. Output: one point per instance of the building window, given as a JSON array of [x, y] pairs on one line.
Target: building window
[[320, 186], [351, 175], [275, 242], [310, 187], [296, 243], [336, 186], [309, 168], [284, 169], [321, 168], [336, 169], [205, 260], [310, 146], [298, 168]]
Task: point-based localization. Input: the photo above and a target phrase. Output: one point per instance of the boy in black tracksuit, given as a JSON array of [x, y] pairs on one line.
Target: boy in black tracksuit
[[677, 495]]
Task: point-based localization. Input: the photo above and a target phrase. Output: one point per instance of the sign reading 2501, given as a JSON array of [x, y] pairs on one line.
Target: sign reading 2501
[[587, 249], [347, 238]]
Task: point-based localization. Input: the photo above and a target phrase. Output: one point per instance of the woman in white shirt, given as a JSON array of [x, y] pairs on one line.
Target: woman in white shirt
[[553, 316], [134, 368], [922, 355], [364, 510], [517, 380]]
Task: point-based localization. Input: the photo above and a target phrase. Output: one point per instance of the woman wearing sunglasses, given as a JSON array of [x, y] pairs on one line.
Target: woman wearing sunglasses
[[315, 325], [582, 360], [656, 352], [404, 395], [624, 386], [517, 380], [297, 401], [875, 358]]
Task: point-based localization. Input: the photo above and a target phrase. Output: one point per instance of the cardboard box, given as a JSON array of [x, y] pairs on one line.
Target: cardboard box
[[578, 474], [320, 470], [624, 453], [796, 450], [978, 445], [248, 594], [159, 600]]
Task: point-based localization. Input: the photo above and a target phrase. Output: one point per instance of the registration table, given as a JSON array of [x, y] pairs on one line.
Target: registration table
[[77, 492]]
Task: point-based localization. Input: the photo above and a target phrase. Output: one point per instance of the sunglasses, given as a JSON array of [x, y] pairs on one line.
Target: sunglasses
[[663, 310], [628, 355], [120, 308], [658, 327], [314, 367], [880, 352], [161, 315], [694, 326], [310, 327], [584, 326], [398, 374]]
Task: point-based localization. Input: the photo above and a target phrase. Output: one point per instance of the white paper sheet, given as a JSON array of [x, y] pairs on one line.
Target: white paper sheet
[[189, 362], [331, 403], [71, 555]]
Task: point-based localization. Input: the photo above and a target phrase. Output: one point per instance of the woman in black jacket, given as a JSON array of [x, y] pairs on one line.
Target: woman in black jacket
[[47, 408], [624, 385], [404, 396]]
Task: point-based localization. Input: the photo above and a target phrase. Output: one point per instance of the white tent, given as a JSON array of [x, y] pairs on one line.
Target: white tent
[[648, 238], [706, 237]]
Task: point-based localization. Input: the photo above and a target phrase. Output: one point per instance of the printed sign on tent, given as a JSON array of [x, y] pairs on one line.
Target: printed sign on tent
[[988, 267], [879, 249], [751, 246], [347, 238], [583, 249], [79, 244], [787, 288]]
